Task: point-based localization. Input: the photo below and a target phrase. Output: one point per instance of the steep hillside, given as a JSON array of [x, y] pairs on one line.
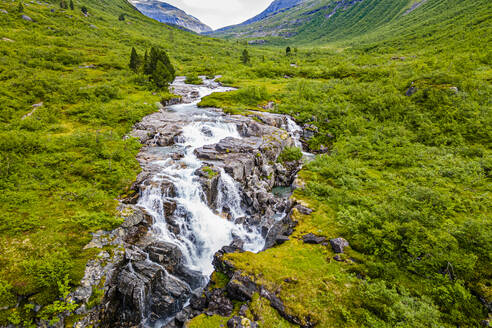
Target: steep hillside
[[165, 13], [322, 21], [275, 8]]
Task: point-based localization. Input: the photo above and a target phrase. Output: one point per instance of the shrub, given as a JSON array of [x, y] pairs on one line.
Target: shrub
[[290, 154]]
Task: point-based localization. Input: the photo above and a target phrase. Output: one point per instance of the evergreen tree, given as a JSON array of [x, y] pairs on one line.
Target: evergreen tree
[[72, 7], [245, 58], [146, 63], [161, 75], [288, 51], [134, 61], [121, 17], [20, 7], [63, 4], [84, 10]]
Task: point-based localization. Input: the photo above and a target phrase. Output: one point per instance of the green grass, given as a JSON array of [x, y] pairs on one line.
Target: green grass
[[407, 181]]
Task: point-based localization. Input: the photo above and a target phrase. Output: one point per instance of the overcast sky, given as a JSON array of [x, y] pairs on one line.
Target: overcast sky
[[220, 13]]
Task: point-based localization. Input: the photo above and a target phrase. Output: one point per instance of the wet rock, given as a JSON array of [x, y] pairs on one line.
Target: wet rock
[[218, 303], [145, 288], [166, 254], [279, 231], [193, 278], [338, 244], [198, 301], [171, 102], [169, 207], [27, 18], [311, 238]]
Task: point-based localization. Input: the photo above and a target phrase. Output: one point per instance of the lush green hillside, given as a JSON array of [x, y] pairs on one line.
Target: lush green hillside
[[406, 180], [322, 21], [63, 166]]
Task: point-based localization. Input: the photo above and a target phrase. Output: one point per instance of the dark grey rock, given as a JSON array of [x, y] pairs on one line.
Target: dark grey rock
[[311, 238], [241, 287], [338, 244], [218, 303]]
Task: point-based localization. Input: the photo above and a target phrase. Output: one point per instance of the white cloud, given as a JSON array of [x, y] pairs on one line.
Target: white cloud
[[220, 13]]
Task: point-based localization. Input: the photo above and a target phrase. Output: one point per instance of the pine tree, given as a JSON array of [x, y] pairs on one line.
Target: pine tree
[[20, 7], [121, 17], [134, 61], [84, 10], [161, 75], [71, 5], [288, 51], [245, 58], [146, 63]]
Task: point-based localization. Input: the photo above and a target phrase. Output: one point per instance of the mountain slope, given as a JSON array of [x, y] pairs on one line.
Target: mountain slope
[[165, 13], [321, 21]]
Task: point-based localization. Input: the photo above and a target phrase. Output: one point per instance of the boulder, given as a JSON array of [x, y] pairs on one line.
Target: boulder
[[338, 244], [166, 254], [311, 238], [218, 303], [3, 11], [27, 18], [241, 287]]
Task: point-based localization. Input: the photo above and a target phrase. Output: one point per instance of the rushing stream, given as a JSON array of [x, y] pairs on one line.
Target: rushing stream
[[191, 149], [202, 230]]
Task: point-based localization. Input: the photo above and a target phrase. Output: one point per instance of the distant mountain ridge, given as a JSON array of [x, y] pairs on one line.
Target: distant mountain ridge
[[168, 14], [307, 21], [274, 8]]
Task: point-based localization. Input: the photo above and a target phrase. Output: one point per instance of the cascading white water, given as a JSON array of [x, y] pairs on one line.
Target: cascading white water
[[202, 232], [295, 131], [198, 230]]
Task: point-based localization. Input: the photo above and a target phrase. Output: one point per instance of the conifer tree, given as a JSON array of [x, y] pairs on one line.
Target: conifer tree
[[71, 5], [161, 75], [288, 51], [146, 63], [245, 58], [134, 61], [20, 7]]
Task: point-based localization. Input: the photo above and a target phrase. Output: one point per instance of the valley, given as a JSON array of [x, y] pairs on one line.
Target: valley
[[124, 203]]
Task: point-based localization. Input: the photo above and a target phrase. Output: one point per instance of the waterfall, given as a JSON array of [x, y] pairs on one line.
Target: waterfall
[[174, 195], [202, 232]]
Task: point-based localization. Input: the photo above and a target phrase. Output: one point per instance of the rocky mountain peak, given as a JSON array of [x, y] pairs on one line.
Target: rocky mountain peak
[[168, 14]]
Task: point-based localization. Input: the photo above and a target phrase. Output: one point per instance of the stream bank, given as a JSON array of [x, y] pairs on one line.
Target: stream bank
[[206, 188]]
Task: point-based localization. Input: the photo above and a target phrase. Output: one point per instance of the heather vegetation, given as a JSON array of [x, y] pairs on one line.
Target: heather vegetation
[[403, 115]]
